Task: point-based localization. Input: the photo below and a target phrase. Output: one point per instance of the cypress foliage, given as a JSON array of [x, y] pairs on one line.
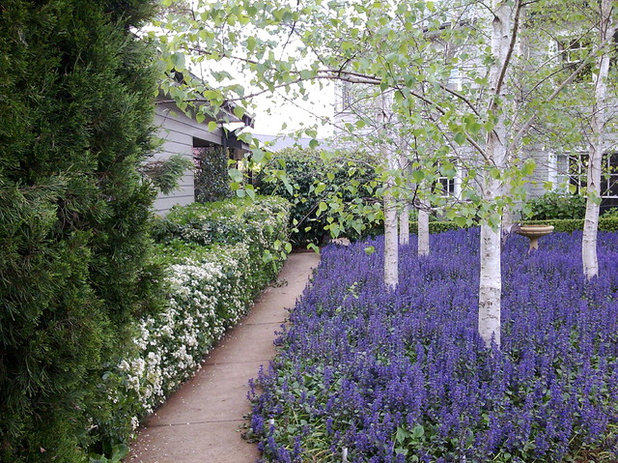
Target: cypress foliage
[[76, 106]]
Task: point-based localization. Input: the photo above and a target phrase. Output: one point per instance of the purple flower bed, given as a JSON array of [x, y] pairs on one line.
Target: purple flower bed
[[404, 377]]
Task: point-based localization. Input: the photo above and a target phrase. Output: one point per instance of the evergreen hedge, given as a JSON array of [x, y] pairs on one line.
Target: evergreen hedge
[[608, 224], [76, 98]]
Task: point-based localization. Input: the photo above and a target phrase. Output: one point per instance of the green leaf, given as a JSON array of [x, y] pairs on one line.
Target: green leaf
[[460, 138], [239, 111], [251, 42], [401, 433], [313, 247], [528, 168], [235, 175], [212, 126], [320, 188], [346, 45], [370, 250], [257, 155], [418, 176], [178, 60], [119, 452]]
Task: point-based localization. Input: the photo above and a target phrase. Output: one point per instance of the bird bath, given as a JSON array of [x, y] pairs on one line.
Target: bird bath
[[533, 233]]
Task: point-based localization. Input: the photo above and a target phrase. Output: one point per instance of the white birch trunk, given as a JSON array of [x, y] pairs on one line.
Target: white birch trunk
[[404, 223], [391, 244], [404, 213], [595, 151], [423, 230], [490, 287]]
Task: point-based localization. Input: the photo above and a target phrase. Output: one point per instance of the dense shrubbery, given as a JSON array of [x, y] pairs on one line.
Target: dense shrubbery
[[403, 376], [79, 277], [553, 205], [211, 181], [215, 256], [311, 180], [608, 224], [76, 99]]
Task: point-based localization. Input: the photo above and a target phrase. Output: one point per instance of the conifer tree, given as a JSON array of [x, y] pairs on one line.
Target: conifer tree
[[76, 98]]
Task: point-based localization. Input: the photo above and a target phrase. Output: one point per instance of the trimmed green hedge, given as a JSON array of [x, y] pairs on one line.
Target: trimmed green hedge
[[257, 223], [219, 256], [609, 224]]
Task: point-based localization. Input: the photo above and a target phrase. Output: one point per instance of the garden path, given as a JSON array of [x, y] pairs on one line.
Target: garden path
[[200, 423]]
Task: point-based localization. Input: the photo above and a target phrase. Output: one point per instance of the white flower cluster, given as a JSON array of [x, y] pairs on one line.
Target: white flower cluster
[[206, 298], [210, 290]]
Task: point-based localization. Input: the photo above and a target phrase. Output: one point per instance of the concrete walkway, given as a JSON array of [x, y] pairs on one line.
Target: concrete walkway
[[200, 423]]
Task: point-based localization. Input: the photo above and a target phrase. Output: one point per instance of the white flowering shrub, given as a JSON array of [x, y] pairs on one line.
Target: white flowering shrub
[[209, 288]]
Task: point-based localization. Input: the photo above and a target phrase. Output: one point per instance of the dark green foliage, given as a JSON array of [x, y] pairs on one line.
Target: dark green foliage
[[211, 178], [76, 102], [555, 206], [608, 224], [258, 223], [305, 171], [611, 212]]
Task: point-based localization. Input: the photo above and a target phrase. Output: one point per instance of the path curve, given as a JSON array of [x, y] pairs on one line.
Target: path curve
[[200, 422]]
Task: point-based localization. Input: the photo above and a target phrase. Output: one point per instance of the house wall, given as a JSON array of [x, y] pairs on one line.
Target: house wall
[[177, 132]]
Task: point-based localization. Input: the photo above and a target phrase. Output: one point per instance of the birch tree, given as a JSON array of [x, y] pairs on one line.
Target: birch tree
[[404, 206], [502, 38], [584, 33], [423, 228], [395, 46], [391, 242], [607, 29]]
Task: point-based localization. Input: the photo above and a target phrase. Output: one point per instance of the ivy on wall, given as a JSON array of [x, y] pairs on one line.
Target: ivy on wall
[[211, 179]]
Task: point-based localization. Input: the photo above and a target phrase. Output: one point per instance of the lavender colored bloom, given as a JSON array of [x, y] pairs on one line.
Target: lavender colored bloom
[[393, 374]]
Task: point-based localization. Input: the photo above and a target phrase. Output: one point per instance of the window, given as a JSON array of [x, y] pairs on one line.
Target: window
[[447, 185], [578, 165], [558, 172], [609, 179], [572, 52], [346, 96], [454, 81]]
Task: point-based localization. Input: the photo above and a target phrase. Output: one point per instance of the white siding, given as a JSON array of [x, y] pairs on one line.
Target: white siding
[[177, 132]]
